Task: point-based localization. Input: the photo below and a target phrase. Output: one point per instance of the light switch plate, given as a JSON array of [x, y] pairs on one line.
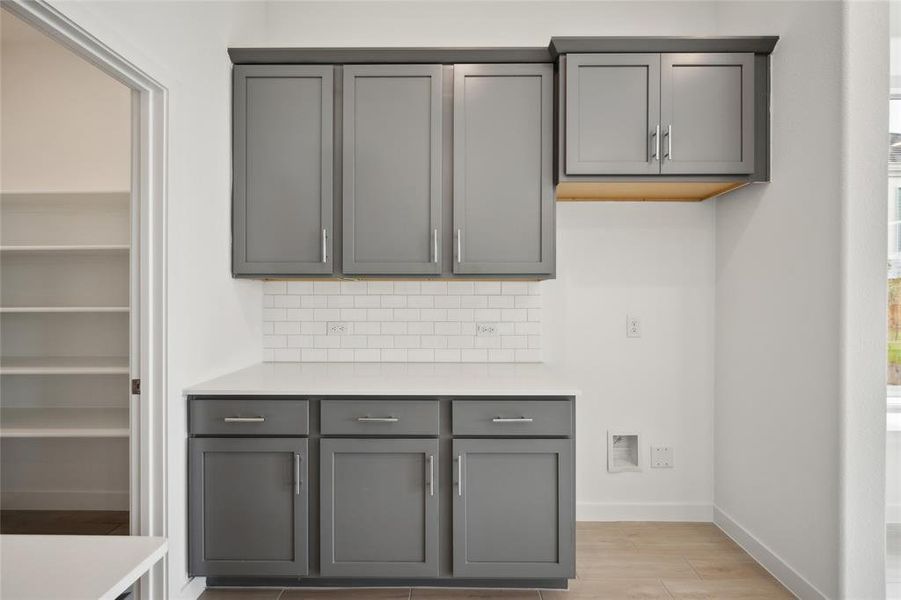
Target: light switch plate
[[661, 457]]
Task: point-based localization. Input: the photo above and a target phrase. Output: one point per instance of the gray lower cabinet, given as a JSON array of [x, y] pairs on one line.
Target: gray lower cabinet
[[612, 114], [282, 170], [503, 183], [248, 506], [707, 111], [379, 507], [392, 169], [513, 508]]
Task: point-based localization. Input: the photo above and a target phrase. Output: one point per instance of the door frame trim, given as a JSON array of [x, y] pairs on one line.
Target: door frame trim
[[148, 494]]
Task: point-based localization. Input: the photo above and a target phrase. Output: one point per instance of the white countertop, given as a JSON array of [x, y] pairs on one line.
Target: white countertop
[[394, 379], [76, 567]]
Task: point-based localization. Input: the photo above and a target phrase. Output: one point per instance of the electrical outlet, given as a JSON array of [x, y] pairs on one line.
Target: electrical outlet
[[486, 329], [633, 326], [661, 457], [337, 328]]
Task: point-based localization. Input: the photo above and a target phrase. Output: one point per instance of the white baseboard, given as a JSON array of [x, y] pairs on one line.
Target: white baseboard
[[64, 500], [656, 511], [770, 561], [893, 513]]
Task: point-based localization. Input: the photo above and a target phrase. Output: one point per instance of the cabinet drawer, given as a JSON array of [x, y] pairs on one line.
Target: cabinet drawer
[[379, 417], [248, 417], [512, 417]]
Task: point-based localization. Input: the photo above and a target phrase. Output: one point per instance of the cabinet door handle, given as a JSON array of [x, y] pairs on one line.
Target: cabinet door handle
[[296, 474], [435, 246], [460, 475], [459, 246], [377, 419], [431, 475], [324, 247], [244, 419], [512, 420], [656, 136], [669, 142]]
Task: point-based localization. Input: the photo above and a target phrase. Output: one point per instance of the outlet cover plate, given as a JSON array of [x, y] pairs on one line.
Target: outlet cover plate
[[662, 457]]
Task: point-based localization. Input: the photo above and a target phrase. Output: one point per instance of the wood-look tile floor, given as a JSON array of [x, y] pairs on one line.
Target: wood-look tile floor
[[64, 522], [684, 561]]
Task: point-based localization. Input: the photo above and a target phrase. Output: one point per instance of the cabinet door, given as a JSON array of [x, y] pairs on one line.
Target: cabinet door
[[513, 508], [392, 169], [707, 113], [503, 185], [282, 211], [379, 508], [248, 506], [612, 114]]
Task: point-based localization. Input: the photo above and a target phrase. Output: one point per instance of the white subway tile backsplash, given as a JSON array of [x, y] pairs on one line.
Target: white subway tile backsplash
[[487, 287], [275, 287], [314, 327], [299, 287], [460, 288], [401, 321], [326, 287], [407, 287], [381, 287], [421, 328], [421, 301]]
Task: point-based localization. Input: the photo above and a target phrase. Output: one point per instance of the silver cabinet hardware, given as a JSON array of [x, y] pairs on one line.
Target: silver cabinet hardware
[[459, 245], [656, 135], [296, 474], [244, 419], [377, 419], [669, 142], [431, 475], [460, 475], [435, 245], [324, 247], [512, 420]]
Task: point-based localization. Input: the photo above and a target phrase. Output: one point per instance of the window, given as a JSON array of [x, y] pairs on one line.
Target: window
[[894, 243]]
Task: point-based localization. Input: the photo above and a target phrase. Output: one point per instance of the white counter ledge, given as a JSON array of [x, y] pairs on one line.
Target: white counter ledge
[[76, 567], [388, 379]]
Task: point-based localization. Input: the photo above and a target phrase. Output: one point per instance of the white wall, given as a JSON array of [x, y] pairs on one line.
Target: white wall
[[214, 320], [66, 126], [779, 307], [653, 259]]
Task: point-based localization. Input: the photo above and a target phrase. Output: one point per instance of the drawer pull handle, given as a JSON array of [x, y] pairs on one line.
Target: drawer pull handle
[[431, 475], [377, 419], [244, 419], [297, 479], [514, 420], [460, 475]]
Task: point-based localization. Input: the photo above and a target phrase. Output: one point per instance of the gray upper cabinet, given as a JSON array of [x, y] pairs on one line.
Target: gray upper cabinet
[[282, 196], [612, 114], [248, 506], [707, 110], [503, 184], [513, 508], [392, 169], [379, 503]]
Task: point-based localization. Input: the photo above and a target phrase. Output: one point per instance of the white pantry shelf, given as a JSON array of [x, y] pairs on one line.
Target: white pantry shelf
[[64, 422], [63, 309], [64, 365]]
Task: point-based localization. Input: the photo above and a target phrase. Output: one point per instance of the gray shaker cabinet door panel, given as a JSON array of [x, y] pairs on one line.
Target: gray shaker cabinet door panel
[[248, 506], [379, 508], [503, 184], [392, 169], [513, 514], [707, 113], [612, 114], [282, 196]]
